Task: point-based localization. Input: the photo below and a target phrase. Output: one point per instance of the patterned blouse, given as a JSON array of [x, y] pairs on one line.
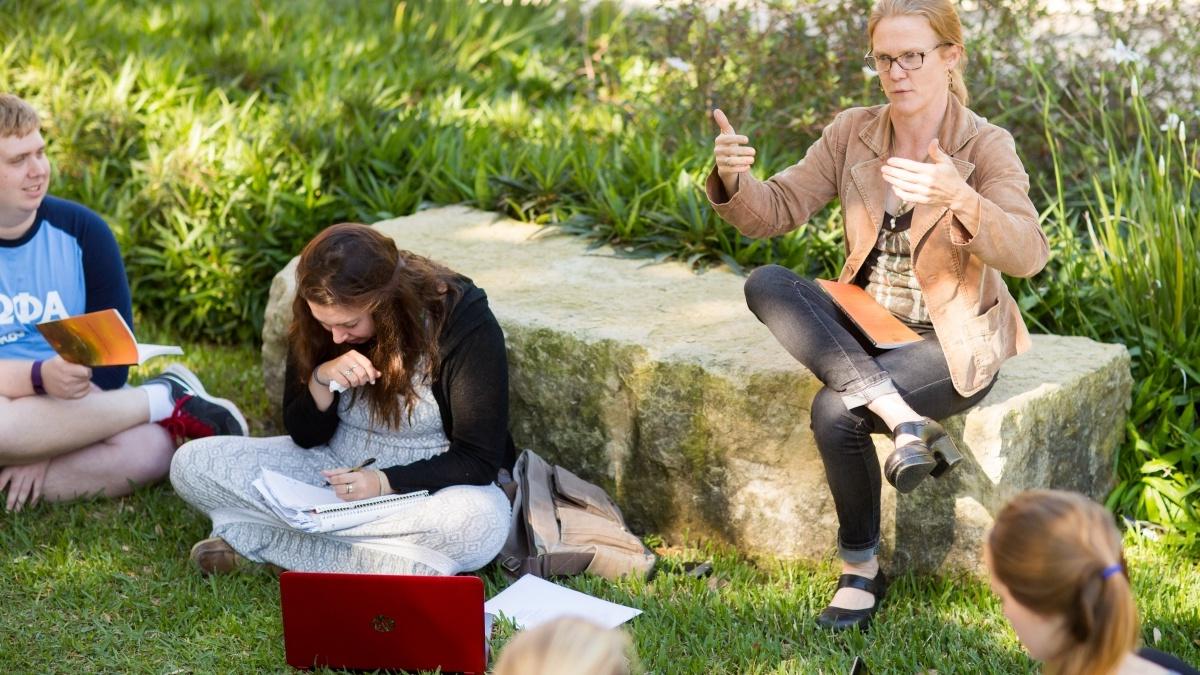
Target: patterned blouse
[[889, 272]]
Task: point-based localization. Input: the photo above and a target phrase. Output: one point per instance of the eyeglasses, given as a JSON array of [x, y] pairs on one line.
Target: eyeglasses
[[907, 60]]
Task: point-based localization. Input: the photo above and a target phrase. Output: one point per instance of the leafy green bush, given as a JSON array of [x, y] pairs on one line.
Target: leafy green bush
[[217, 138]]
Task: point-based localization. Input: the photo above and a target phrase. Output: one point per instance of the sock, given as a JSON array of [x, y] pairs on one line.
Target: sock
[[161, 405]]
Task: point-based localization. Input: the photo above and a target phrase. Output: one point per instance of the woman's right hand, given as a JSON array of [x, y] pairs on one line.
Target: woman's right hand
[[351, 369], [732, 153]]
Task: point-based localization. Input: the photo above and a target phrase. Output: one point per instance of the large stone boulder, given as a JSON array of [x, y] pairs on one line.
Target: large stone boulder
[[659, 384]]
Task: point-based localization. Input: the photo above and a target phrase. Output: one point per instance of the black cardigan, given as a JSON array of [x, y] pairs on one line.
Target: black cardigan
[[471, 390]]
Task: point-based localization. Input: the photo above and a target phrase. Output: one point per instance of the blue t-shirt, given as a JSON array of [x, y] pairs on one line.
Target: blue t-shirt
[[67, 263]]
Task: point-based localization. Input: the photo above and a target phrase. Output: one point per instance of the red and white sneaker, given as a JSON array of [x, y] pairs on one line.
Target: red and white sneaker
[[197, 414]]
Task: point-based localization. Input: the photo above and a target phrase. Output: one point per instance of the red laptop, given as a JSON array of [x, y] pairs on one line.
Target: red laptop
[[383, 621]]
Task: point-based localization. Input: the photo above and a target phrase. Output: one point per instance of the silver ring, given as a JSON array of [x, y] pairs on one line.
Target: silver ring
[[348, 372], [349, 488]]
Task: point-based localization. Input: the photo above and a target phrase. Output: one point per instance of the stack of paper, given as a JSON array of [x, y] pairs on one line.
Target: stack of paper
[[317, 509]]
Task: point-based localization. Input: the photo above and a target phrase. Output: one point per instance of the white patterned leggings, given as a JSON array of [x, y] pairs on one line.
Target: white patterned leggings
[[459, 528]]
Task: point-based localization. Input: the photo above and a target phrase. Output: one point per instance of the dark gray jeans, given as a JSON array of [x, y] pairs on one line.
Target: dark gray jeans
[[814, 331]]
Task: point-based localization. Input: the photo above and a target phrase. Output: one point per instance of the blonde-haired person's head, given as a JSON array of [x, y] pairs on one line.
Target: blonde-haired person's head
[[567, 646], [942, 18], [1055, 559], [17, 118]]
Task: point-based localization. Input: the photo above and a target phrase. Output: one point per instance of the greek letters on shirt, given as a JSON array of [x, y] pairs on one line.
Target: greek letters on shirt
[[24, 308]]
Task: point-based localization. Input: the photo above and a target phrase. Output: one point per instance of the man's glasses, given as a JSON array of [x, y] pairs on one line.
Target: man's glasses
[[907, 60]]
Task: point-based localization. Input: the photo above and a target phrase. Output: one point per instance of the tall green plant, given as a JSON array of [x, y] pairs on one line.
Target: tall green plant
[[1142, 287]]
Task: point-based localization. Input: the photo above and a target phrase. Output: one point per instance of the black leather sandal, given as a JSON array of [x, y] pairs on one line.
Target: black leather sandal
[[839, 618], [943, 448], [909, 464], [933, 454]]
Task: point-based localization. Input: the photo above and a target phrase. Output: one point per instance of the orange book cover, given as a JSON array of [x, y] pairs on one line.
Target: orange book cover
[[881, 328], [100, 339]]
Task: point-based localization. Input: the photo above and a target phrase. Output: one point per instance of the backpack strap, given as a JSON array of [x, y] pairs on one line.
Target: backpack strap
[[540, 520], [565, 564]]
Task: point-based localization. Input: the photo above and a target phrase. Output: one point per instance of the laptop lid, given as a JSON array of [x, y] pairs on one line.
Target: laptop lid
[[371, 621]]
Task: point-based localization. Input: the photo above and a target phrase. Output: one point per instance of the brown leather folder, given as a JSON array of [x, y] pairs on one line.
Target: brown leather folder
[[881, 328]]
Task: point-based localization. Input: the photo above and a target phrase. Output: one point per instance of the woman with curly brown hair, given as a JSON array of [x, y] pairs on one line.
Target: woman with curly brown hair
[[392, 357]]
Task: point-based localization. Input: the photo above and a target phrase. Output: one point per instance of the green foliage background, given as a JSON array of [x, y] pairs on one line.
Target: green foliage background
[[217, 137]]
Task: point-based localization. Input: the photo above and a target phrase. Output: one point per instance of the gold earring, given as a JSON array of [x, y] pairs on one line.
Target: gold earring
[[950, 79]]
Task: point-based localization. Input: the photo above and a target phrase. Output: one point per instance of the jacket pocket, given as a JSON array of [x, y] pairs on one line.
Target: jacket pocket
[[987, 335]]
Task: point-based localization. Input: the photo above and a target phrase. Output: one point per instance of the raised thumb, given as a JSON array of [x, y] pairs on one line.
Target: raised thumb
[[935, 152], [722, 122]]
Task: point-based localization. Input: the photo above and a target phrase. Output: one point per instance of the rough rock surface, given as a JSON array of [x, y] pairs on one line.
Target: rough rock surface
[[659, 384]]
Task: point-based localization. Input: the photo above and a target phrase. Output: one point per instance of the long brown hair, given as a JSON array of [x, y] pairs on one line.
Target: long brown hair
[[943, 18], [1055, 551], [358, 268]]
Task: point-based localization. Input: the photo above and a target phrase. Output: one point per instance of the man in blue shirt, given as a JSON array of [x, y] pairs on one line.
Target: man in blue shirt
[[67, 430]]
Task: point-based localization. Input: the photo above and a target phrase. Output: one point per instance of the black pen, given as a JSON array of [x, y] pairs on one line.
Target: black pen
[[360, 467]]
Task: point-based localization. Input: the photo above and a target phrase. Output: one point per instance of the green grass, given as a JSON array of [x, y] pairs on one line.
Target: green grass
[[105, 586]]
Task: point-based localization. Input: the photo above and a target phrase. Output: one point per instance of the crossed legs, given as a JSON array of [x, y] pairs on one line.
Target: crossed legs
[[867, 390], [59, 449]]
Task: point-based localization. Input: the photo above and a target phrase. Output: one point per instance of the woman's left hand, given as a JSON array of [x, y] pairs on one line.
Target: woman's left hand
[[351, 485], [934, 183]]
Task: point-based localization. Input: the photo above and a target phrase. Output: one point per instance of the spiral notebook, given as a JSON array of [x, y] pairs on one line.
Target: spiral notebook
[[317, 509]]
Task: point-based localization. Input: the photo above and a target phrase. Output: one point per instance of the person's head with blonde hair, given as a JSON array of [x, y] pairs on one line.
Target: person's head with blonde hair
[[1056, 562], [943, 19], [567, 646], [17, 118]]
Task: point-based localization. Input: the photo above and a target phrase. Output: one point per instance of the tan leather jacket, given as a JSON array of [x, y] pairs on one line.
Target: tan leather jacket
[[958, 265]]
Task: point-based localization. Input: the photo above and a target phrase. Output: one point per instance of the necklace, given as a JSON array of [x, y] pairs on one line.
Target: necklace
[[904, 207], [900, 211]]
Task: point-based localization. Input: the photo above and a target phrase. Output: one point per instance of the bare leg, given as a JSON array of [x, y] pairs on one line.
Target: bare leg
[[112, 467], [38, 427], [853, 598], [893, 410]]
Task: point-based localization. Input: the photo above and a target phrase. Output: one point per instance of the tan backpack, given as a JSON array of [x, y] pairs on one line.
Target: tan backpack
[[564, 525]]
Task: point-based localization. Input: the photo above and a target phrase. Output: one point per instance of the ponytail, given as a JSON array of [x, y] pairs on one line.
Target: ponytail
[[1104, 626]]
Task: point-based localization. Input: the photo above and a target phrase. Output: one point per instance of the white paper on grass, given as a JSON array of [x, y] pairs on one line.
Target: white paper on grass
[[531, 601]]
